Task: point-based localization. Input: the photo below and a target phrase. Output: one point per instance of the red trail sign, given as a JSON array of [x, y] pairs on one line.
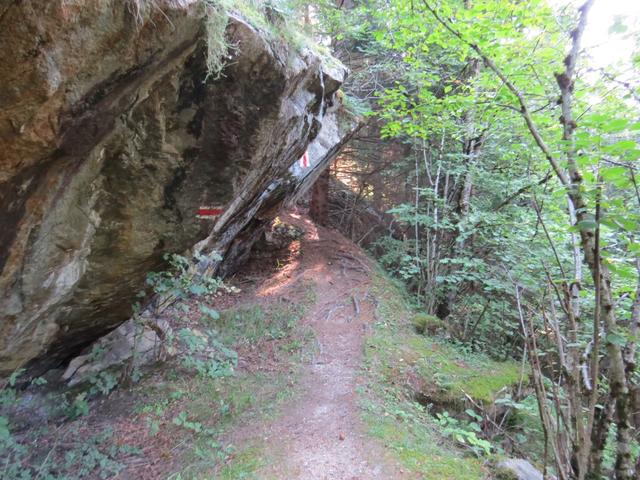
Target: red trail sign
[[209, 212]]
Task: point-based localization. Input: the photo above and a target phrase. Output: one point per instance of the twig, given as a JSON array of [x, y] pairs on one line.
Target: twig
[[332, 310], [356, 305]]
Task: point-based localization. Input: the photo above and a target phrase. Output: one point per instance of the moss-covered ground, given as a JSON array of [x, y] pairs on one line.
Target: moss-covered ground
[[414, 379]]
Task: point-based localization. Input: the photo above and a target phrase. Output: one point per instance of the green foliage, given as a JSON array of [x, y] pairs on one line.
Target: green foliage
[[69, 453], [415, 440], [96, 456], [205, 354], [475, 251], [428, 444], [524, 425], [609, 452], [180, 281], [448, 371], [103, 382], [465, 433], [216, 43], [356, 106], [427, 324], [92, 457], [182, 420], [79, 407], [198, 415], [433, 103]]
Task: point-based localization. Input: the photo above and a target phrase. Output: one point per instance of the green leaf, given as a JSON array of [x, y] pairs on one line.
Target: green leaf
[[616, 125], [622, 270], [616, 339], [618, 222], [13, 378], [197, 289], [584, 225], [623, 145], [611, 174], [617, 175], [210, 312], [5, 432]]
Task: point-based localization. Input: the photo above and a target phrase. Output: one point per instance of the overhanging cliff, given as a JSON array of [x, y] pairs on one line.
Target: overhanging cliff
[[113, 134]]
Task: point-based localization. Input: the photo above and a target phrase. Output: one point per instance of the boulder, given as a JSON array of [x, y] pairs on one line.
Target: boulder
[[132, 344], [115, 132], [519, 469]]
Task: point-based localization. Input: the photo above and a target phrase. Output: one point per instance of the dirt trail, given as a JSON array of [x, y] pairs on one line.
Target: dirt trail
[[319, 435]]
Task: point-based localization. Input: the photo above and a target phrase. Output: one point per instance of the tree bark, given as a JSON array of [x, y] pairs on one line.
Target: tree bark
[[571, 179], [318, 209]]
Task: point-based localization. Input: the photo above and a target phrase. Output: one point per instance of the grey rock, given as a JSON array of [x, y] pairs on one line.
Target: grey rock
[[112, 136], [136, 342], [521, 468]]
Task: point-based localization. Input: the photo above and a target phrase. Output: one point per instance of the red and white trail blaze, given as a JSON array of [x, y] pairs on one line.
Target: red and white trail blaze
[[304, 160], [209, 213]]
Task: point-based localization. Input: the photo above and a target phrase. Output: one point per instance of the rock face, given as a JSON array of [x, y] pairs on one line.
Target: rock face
[[520, 469], [113, 136]]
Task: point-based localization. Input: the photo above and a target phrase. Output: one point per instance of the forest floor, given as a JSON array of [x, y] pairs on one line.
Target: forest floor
[[332, 382], [320, 434]]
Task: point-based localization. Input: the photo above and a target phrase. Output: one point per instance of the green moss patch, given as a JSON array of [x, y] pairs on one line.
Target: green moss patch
[[427, 324], [410, 375], [454, 375], [432, 367]]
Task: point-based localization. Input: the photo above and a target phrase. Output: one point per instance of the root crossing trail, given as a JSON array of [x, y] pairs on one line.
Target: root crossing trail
[[319, 435]]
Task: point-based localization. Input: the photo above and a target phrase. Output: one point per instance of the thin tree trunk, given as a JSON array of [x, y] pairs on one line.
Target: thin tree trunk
[[320, 199], [599, 434], [572, 181]]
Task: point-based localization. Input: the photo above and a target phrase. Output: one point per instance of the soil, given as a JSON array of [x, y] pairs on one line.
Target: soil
[[319, 435]]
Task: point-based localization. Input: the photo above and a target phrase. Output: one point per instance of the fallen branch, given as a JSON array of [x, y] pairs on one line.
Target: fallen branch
[[356, 305]]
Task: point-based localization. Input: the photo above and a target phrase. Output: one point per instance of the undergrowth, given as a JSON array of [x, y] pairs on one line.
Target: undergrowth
[[427, 395], [204, 411], [250, 323], [188, 404], [196, 416]]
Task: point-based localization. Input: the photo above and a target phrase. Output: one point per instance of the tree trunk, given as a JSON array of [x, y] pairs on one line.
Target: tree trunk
[[320, 199]]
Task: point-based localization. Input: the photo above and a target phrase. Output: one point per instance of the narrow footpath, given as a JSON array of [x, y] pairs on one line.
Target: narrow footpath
[[319, 434]]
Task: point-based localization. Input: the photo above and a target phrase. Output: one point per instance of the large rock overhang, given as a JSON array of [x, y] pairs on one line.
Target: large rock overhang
[[113, 136]]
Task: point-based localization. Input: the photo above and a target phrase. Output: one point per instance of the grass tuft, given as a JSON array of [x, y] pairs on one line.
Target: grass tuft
[[245, 464], [216, 22]]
